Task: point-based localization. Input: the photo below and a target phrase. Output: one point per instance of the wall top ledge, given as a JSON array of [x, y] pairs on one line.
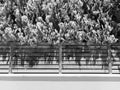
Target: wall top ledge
[[60, 77]]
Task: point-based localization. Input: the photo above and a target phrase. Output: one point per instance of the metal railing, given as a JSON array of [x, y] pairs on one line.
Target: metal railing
[[59, 59]]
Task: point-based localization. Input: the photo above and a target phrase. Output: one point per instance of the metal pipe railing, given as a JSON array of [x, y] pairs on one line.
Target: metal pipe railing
[[10, 60], [109, 60], [61, 61]]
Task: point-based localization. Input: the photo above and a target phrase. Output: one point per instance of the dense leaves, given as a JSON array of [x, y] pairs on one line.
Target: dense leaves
[[88, 22], [56, 21]]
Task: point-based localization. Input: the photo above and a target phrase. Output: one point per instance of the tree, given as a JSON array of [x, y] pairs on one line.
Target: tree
[[31, 22]]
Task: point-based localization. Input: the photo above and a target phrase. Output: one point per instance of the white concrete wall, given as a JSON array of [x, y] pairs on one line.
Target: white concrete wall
[[60, 82], [58, 85]]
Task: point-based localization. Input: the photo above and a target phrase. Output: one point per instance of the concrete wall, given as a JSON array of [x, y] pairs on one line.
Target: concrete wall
[[68, 82], [58, 85]]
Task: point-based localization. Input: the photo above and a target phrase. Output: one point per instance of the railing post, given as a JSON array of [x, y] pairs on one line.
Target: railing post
[[10, 60], [109, 59], [60, 59]]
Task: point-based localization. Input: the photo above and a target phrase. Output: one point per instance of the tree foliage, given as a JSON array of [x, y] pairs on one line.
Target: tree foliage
[[32, 22]]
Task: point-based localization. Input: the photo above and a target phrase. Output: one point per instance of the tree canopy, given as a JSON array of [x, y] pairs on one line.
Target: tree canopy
[[55, 21]]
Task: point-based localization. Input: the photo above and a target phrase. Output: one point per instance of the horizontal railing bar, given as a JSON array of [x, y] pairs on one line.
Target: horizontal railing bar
[[35, 68], [40, 64], [3, 72], [86, 48], [83, 69], [35, 72], [83, 73], [84, 60], [4, 68], [29, 51], [69, 61], [84, 56], [36, 56], [115, 69], [115, 73], [86, 64], [64, 60], [64, 44], [37, 60], [81, 45], [116, 64], [79, 49]]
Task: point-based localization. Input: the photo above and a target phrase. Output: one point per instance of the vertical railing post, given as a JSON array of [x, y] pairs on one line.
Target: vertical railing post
[[60, 59], [109, 59], [10, 59]]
